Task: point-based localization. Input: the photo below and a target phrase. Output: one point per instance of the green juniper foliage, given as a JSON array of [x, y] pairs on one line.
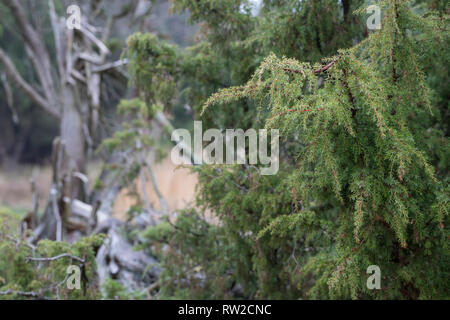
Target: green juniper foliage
[[364, 173], [21, 277], [114, 290], [153, 67]]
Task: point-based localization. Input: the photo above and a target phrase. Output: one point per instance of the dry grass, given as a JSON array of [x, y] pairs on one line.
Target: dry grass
[[177, 186], [15, 191]]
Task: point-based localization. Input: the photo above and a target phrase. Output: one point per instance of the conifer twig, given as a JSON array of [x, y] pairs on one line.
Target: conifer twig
[[58, 257], [162, 200], [328, 66], [295, 110], [322, 69]]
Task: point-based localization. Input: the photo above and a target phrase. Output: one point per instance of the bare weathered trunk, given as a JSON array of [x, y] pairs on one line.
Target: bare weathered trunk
[[69, 162], [72, 135]]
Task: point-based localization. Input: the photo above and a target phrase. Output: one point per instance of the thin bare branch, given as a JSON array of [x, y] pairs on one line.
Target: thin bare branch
[[63, 255], [22, 84], [110, 65], [100, 45], [162, 200], [37, 51], [146, 200], [58, 39], [322, 69], [35, 199], [29, 294], [54, 200], [9, 98]]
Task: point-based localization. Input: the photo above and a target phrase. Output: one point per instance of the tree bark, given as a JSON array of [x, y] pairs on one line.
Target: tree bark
[[72, 134]]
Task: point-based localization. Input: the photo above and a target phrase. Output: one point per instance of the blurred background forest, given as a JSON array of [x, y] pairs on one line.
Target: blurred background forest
[[27, 134]]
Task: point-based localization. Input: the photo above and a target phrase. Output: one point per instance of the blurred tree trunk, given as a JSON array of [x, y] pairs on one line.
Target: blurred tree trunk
[[72, 136], [68, 89]]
